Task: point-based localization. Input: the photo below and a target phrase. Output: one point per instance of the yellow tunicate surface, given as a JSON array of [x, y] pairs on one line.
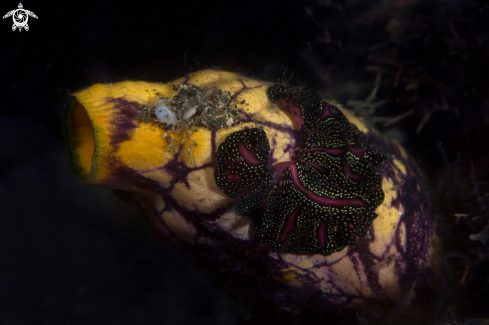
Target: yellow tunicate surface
[[108, 144], [387, 219]]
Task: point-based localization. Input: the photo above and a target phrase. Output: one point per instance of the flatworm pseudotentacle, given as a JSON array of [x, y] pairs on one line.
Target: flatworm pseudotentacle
[[319, 203]]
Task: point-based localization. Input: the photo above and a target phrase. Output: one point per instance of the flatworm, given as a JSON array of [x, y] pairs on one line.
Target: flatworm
[[320, 202]]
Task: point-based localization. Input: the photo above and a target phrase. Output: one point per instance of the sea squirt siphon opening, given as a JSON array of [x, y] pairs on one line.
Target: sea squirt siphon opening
[[79, 134]]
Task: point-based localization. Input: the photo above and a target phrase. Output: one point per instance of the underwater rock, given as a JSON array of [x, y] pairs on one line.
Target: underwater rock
[[289, 203]]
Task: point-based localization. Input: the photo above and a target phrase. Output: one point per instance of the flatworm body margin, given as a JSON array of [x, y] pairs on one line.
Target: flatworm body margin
[[322, 201], [241, 168]]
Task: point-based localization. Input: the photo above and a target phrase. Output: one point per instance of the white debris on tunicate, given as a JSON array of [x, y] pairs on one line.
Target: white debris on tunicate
[[189, 112], [191, 107], [164, 113]]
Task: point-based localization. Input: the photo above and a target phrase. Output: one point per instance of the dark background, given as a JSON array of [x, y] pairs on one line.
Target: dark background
[[74, 254]]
